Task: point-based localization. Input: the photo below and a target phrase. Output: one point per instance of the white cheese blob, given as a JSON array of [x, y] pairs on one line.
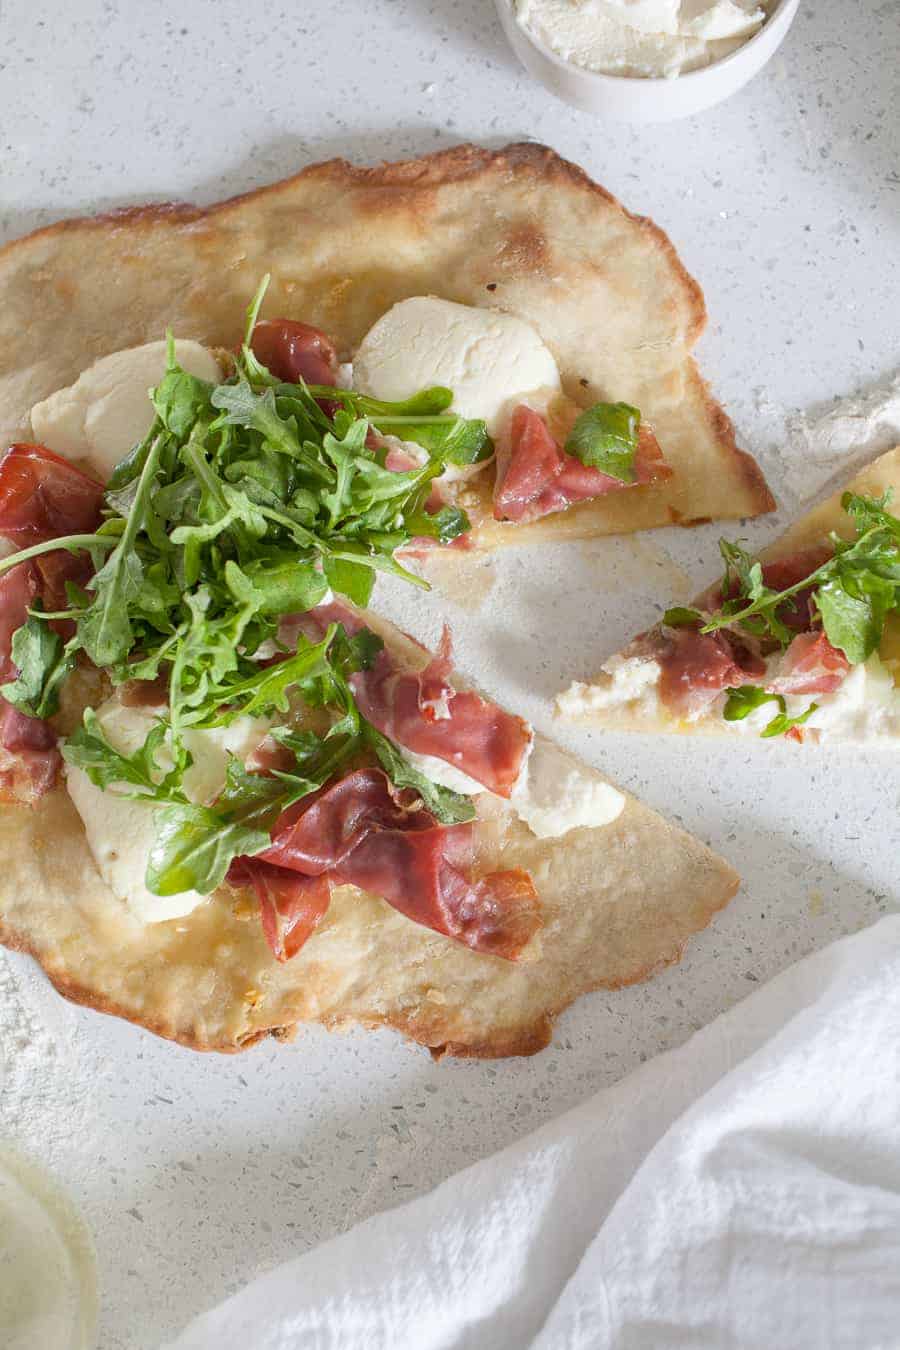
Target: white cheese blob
[[556, 794], [489, 359], [553, 794], [650, 39], [120, 834], [107, 410], [121, 831], [623, 681], [864, 707], [444, 774]]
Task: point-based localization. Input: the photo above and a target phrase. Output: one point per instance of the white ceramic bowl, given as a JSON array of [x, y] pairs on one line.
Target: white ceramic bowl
[[630, 99]]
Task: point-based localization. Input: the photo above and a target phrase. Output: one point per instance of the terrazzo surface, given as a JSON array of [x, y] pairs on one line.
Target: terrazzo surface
[[194, 1172]]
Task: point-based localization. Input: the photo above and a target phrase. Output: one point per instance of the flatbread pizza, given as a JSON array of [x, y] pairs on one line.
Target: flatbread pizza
[[802, 642], [233, 799], [559, 321]]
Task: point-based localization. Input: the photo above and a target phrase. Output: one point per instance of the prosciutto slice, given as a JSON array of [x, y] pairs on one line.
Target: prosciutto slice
[[295, 351], [18, 591], [43, 496], [696, 667], [291, 905], [29, 759], [360, 831], [539, 477], [422, 712], [811, 665]]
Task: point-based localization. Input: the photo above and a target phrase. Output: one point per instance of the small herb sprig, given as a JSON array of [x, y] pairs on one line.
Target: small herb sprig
[[853, 591]]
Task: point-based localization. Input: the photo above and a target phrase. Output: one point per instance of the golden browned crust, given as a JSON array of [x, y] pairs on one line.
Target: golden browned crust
[[209, 981], [551, 245]]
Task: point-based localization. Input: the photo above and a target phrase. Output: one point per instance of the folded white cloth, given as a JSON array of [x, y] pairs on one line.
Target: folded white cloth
[[741, 1191]]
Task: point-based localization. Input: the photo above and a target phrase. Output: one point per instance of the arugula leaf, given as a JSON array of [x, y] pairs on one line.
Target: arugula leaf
[[444, 525], [871, 512], [606, 438], [450, 808], [180, 399], [194, 847], [745, 700], [128, 469], [254, 307], [89, 749], [355, 580], [95, 544], [286, 586], [105, 630], [452, 440], [854, 624], [748, 697], [43, 664], [426, 403], [859, 586], [343, 449], [266, 690], [679, 617], [782, 723], [257, 412]]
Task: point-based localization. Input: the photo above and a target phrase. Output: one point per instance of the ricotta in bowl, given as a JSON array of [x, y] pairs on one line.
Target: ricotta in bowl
[[648, 39]]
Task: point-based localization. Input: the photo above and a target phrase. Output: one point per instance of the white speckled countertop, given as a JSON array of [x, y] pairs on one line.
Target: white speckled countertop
[[194, 1173]]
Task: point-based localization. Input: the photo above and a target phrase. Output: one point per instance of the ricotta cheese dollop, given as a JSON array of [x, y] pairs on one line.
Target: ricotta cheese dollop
[[107, 410], [489, 359], [121, 831], [553, 795], [646, 38], [865, 706]]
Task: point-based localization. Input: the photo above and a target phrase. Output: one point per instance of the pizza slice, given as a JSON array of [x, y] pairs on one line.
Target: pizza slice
[[802, 642], [550, 330], [232, 800]]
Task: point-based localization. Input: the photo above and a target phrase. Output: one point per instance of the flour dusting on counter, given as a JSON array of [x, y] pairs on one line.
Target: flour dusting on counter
[[824, 449]]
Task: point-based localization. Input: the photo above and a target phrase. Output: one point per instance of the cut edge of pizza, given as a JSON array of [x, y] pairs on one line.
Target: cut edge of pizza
[[801, 642]]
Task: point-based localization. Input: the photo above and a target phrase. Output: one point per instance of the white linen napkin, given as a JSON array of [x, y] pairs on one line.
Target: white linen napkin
[[741, 1191]]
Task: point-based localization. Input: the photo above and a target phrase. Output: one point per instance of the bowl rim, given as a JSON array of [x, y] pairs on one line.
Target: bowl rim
[[702, 72]]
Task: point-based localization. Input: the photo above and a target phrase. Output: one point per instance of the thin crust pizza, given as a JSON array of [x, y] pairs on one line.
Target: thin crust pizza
[[558, 320], [607, 905], [802, 642], [233, 800]]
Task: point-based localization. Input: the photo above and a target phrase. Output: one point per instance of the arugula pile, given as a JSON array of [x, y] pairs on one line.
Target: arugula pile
[[247, 500], [852, 592], [195, 844]]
